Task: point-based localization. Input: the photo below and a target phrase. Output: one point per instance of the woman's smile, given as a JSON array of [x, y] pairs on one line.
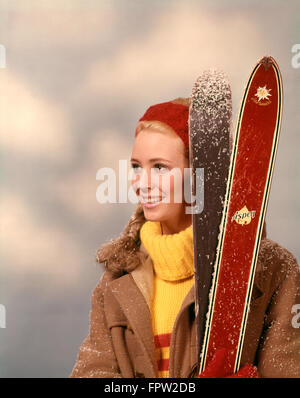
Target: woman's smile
[[150, 201]]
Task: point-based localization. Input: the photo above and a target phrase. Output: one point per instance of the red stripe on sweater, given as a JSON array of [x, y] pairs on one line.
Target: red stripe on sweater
[[162, 340], [163, 364]]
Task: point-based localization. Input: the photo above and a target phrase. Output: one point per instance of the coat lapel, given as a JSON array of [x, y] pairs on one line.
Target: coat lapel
[[136, 310]]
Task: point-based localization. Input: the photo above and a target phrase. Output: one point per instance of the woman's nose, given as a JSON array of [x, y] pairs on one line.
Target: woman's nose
[[144, 181]]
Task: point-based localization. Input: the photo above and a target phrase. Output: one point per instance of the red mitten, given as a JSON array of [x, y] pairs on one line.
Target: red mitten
[[215, 368], [247, 371]]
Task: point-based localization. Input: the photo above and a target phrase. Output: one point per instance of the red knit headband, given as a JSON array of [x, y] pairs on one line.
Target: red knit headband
[[174, 115]]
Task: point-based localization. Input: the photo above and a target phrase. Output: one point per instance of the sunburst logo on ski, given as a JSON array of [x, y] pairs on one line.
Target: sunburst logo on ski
[[243, 216], [262, 96]]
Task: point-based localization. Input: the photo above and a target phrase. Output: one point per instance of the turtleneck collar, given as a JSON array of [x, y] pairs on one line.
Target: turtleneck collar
[[172, 255]]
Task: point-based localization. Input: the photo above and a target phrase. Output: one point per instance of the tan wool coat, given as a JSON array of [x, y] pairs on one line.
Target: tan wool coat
[[120, 340]]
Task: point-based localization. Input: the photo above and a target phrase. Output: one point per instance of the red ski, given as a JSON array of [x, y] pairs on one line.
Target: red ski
[[248, 186]]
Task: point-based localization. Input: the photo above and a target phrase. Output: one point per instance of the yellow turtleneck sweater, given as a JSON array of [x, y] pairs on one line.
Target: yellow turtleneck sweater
[[172, 257]]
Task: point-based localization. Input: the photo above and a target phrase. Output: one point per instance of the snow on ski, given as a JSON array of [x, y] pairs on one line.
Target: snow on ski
[[210, 118], [239, 233]]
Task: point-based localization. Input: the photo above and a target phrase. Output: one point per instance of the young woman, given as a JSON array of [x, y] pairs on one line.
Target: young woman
[[142, 321]]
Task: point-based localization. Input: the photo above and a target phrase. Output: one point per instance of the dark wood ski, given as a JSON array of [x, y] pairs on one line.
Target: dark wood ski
[[210, 121]]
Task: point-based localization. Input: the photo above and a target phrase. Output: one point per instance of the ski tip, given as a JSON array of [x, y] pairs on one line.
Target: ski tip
[[210, 88], [267, 61]]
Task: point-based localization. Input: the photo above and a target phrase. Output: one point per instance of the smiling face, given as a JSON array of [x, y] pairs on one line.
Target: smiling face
[[155, 157]]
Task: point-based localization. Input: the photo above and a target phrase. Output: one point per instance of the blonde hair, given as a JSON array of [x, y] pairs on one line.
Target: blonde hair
[[160, 128], [122, 254]]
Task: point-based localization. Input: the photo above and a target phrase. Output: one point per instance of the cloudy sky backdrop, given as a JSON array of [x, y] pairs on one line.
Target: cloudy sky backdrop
[[78, 76]]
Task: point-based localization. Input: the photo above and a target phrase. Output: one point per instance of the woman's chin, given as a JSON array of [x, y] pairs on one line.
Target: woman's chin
[[153, 213]]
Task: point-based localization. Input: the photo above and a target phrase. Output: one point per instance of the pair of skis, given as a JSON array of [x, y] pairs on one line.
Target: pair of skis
[[237, 178]]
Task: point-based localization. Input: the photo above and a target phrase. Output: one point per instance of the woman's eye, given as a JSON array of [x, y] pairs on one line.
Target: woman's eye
[[160, 167], [136, 168]]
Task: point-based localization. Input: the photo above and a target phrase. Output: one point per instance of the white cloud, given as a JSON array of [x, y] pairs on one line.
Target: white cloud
[[66, 24], [108, 147], [78, 191], [181, 45], [30, 246], [30, 124]]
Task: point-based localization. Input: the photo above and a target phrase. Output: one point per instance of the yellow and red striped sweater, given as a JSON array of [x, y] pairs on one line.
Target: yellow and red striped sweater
[[172, 257]]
